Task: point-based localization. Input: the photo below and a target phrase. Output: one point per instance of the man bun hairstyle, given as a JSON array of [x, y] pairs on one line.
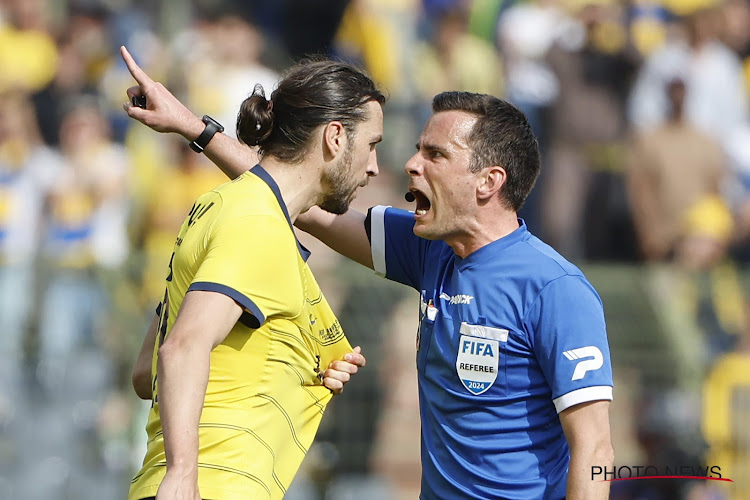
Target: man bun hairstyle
[[501, 136], [313, 92], [255, 118]]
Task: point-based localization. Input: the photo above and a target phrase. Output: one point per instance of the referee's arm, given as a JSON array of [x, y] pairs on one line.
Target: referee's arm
[[586, 428], [345, 233]]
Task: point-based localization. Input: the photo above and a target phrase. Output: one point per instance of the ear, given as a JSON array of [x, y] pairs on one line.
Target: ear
[[334, 139], [491, 180]]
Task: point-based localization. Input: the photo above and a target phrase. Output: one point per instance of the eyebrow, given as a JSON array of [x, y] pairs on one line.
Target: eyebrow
[[430, 147]]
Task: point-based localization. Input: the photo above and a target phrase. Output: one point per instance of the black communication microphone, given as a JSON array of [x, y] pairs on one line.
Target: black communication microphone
[[409, 196]]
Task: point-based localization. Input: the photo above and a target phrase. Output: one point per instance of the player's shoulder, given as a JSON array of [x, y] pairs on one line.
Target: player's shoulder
[[248, 195]]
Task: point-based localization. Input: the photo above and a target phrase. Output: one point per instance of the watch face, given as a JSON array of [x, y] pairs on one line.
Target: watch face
[[207, 119]]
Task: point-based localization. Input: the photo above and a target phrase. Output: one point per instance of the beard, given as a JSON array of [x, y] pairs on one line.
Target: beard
[[339, 185]]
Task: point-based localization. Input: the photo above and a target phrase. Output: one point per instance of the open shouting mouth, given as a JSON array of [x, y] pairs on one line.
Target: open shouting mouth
[[423, 203]]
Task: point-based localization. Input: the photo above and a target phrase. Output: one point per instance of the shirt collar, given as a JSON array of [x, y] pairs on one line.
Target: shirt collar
[[266, 177]]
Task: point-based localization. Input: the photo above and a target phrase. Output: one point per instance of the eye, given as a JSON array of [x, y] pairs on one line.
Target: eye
[[435, 154]]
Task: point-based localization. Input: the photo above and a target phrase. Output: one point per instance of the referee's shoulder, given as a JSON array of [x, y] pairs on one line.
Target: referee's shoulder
[[547, 263]]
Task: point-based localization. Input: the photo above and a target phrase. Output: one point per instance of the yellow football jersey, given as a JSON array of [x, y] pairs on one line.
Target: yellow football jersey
[[264, 400]]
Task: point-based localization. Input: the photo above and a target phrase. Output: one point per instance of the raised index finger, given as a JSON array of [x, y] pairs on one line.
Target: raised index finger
[[140, 76]]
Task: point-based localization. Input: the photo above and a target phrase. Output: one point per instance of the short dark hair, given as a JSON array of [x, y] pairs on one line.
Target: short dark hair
[[313, 92], [501, 136]]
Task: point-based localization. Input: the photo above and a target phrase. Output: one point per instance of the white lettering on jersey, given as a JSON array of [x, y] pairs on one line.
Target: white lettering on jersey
[[586, 365], [457, 299]]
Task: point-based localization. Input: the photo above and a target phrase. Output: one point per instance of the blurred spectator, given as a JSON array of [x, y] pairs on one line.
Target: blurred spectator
[[525, 33], [584, 210], [455, 59], [88, 209], [674, 177], [27, 171], [28, 55], [673, 170], [379, 35], [225, 78], [83, 58], [84, 234], [716, 101]]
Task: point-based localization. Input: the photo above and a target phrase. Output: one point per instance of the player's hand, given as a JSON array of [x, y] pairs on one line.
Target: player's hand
[[163, 112], [176, 486], [339, 372]]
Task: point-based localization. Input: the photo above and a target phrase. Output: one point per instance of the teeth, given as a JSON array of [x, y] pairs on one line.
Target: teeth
[[421, 211]]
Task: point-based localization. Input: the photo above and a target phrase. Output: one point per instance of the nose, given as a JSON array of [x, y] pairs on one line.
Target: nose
[[372, 165], [413, 165]]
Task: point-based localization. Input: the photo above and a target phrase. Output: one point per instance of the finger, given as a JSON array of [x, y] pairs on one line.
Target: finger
[[355, 359], [135, 112], [334, 385], [341, 375], [134, 91], [140, 76], [343, 366]]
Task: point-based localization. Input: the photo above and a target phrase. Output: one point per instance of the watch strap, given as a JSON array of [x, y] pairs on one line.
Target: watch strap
[[212, 126]]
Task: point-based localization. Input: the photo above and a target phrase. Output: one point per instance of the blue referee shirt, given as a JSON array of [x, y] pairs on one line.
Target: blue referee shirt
[[508, 337]]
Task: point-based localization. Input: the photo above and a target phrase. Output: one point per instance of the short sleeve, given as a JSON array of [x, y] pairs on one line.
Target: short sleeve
[[569, 338], [253, 260], [397, 254]]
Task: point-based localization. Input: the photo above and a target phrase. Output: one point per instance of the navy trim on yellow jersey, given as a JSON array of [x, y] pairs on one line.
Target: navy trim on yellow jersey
[[253, 319], [266, 177]]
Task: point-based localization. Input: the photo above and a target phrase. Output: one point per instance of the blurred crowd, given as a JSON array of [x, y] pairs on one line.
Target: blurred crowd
[[641, 110]]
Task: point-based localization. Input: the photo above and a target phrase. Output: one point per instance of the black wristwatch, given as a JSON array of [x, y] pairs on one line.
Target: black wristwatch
[[212, 126]]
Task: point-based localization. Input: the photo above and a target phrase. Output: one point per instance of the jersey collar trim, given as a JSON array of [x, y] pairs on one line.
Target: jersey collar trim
[[266, 177]]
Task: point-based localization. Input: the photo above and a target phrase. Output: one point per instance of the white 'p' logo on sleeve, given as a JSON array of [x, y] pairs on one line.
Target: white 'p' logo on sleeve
[[585, 365]]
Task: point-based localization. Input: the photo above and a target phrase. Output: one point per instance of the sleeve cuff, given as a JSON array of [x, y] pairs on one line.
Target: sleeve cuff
[[596, 393], [252, 317], [377, 240]]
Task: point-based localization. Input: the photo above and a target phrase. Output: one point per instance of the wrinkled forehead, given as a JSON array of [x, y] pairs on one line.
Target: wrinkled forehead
[[449, 128]]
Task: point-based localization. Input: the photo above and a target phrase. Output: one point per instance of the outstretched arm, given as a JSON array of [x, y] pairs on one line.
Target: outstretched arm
[[344, 233], [165, 113]]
